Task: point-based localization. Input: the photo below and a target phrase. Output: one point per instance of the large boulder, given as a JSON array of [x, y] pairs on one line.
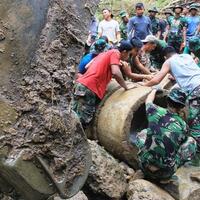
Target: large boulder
[[106, 176], [144, 190], [41, 41], [186, 182]]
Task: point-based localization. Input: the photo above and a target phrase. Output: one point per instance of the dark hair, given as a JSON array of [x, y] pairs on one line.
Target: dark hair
[[174, 104], [136, 43], [125, 46], [109, 11], [139, 5], [168, 50], [104, 38]]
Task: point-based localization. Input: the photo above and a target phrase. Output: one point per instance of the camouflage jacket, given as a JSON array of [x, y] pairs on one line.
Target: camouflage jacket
[[123, 30], [176, 28], [167, 131], [155, 23]]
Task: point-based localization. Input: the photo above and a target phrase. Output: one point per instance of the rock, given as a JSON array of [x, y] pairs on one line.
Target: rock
[[106, 176], [186, 183], [195, 195], [79, 196], [129, 172], [195, 176], [143, 190], [2, 35]]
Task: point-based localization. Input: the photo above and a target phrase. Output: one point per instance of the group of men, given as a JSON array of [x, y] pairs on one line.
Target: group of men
[[146, 49]]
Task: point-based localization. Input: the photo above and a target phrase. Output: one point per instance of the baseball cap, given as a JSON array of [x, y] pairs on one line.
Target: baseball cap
[[177, 95], [100, 45], [136, 42], [150, 38], [125, 45]]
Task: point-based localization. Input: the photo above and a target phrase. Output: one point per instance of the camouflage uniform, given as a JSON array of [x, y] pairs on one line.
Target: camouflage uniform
[[175, 36], [155, 23], [123, 30], [123, 26], [84, 103], [194, 46], [165, 144], [156, 57], [194, 115]]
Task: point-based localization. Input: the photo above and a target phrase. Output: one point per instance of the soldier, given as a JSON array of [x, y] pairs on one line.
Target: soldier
[[193, 23], [165, 145], [187, 74], [176, 30], [168, 14], [123, 25], [155, 47], [155, 23], [194, 47]]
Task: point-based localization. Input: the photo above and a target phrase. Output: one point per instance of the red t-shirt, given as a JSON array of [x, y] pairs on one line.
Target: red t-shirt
[[99, 72]]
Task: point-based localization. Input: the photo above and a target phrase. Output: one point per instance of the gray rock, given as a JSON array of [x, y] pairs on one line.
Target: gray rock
[[195, 195], [144, 190], [106, 176], [186, 183], [79, 196]]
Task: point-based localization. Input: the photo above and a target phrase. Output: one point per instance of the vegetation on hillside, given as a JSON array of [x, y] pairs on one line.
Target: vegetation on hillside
[[128, 5]]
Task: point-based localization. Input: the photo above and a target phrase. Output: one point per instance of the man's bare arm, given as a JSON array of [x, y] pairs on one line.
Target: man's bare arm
[[117, 75], [151, 96], [141, 67], [160, 75]]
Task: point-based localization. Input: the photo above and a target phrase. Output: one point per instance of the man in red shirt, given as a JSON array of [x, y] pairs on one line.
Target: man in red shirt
[[91, 87]]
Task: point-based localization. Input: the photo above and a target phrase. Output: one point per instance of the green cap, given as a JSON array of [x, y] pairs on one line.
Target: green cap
[[177, 95], [99, 45], [194, 43], [193, 6], [154, 9], [123, 13]]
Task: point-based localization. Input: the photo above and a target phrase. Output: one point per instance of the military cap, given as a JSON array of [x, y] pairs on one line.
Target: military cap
[[193, 6], [154, 9], [177, 95], [177, 6], [123, 14], [194, 43]]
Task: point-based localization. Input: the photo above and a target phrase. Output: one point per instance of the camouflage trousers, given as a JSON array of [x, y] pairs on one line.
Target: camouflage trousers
[[194, 115], [147, 161], [84, 103]]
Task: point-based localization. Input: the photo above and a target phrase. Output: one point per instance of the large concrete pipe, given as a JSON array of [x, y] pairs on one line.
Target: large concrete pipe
[[120, 116]]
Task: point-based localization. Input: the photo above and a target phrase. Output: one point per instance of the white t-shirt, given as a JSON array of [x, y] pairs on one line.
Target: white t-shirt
[[109, 29]]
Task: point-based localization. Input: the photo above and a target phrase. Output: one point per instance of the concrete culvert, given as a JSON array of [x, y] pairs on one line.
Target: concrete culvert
[[120, 116]]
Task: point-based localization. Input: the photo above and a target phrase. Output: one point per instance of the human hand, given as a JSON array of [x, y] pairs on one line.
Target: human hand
[[148, 77]]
